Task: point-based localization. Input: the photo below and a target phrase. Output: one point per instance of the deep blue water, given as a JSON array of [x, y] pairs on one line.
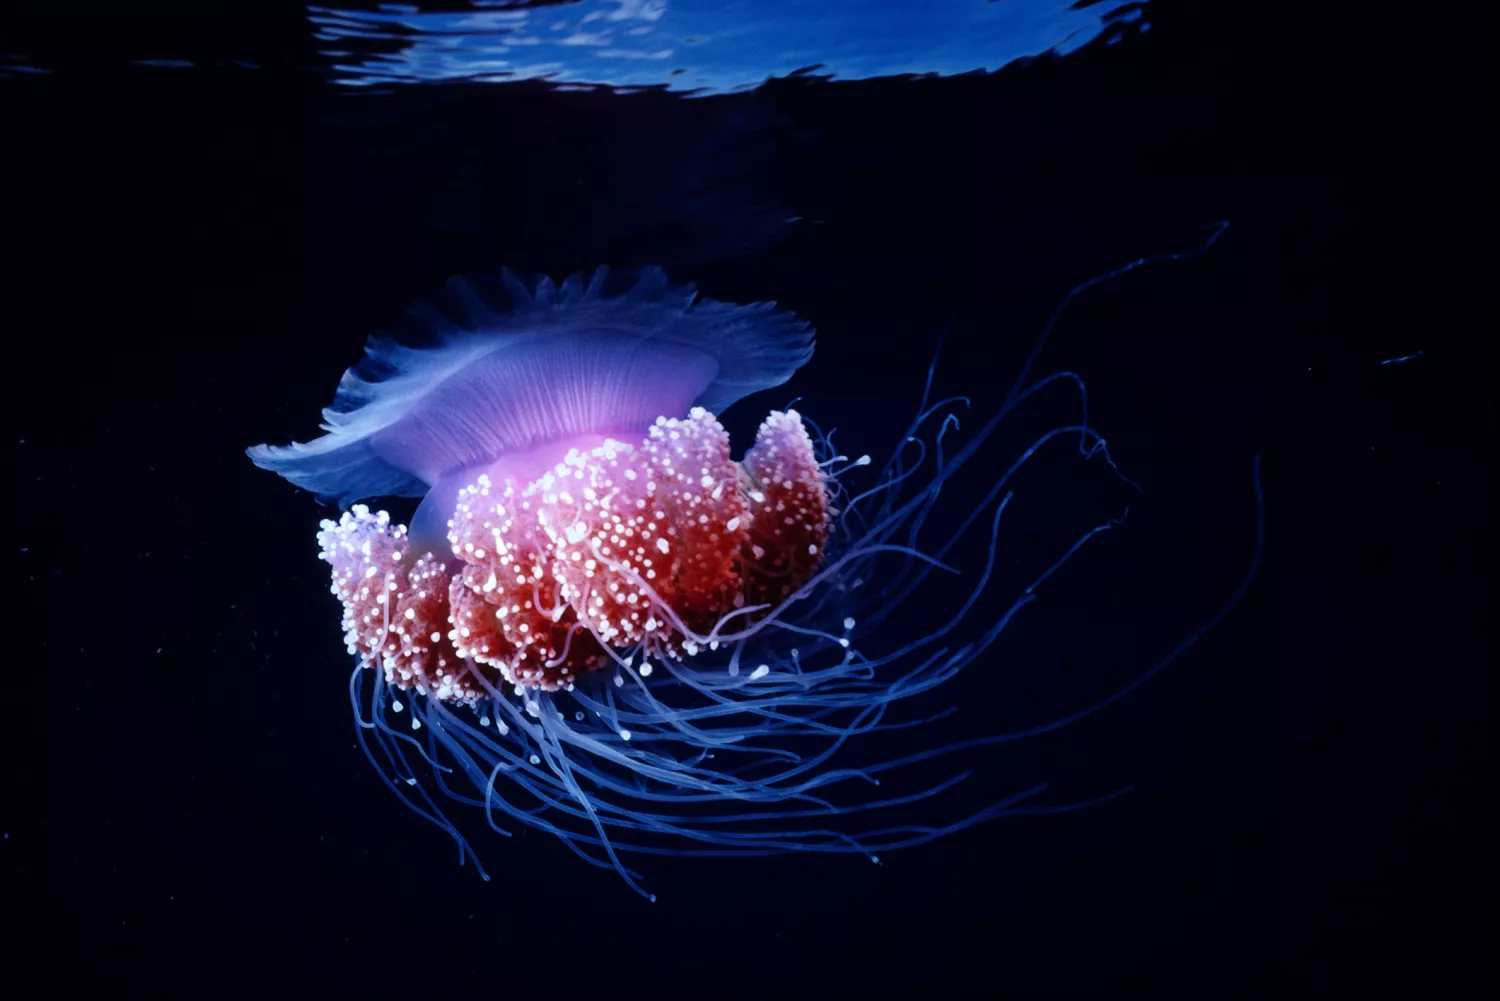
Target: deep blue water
[[211, 209]]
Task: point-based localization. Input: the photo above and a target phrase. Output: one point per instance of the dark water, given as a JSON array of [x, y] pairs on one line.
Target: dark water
[[209, 211]]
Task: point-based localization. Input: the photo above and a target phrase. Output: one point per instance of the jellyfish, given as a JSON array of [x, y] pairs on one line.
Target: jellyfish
[[600, 624]]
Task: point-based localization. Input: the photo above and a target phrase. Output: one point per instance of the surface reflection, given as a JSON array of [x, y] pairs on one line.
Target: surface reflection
[[704, 46]]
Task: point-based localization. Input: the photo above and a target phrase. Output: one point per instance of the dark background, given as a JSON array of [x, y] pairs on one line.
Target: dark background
[[196, 255]]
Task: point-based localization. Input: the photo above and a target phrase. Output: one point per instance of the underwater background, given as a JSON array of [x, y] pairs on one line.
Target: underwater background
[[210, 208]]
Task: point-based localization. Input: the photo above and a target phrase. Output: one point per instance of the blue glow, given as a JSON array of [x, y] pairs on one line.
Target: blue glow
[[708, 46]]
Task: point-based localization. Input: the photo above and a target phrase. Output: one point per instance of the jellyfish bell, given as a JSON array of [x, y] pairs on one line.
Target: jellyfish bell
[[514, 375], [599, 623]]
